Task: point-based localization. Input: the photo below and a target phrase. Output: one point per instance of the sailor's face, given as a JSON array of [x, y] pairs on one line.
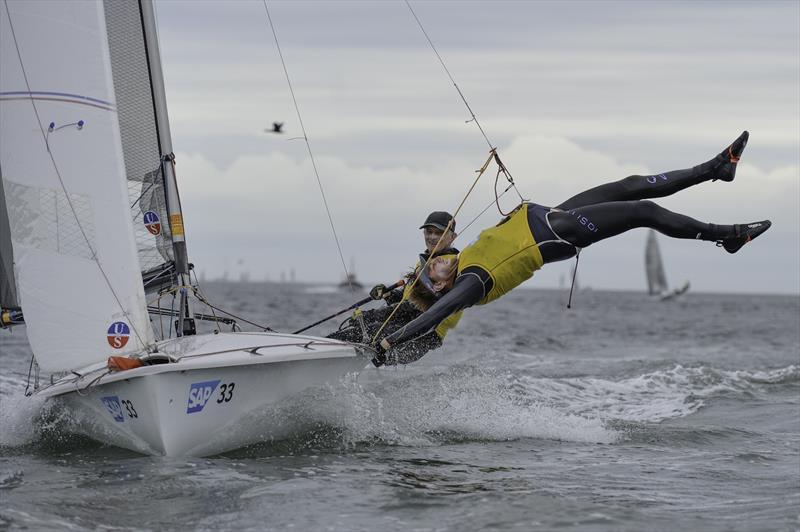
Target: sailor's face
[[432, 236], [441, 275]]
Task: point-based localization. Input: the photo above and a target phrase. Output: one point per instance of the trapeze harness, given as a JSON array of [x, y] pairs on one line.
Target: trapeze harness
[[408, 310], [499, 260]]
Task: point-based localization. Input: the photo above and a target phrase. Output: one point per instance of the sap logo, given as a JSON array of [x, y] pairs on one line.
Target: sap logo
[[152, 223], [114, 407], [118, 334], [199, 394]]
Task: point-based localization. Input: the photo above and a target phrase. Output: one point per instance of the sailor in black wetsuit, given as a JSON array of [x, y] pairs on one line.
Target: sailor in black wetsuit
[[504, 256], [405, 304]]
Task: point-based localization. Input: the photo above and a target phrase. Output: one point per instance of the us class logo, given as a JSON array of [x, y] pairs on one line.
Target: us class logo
[[114, 407], [152, 222], [118, 334], [199, 394]]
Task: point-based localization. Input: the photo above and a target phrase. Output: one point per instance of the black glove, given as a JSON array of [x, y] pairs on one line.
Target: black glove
[[380, 355], [377, 291]]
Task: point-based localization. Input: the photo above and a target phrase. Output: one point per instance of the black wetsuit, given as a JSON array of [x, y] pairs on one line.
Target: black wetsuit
[[373, 319], [591, 216]]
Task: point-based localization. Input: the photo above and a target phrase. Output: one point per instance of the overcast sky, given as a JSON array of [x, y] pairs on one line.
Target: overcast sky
[[572, 94]]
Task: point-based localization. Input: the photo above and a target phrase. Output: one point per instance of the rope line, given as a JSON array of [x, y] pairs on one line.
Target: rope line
[[308, 146], [486, 208], [438, 242], [464, 99], [202, 299]]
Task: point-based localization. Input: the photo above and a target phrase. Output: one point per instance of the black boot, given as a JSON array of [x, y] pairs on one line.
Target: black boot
[[725, 169], [744, 233]]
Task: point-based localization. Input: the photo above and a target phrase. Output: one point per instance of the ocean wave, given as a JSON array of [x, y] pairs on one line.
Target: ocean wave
[[657, 395], [421, 410], [445, 405]]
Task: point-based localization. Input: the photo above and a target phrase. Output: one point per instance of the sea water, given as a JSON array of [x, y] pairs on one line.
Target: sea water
[[622, 413]]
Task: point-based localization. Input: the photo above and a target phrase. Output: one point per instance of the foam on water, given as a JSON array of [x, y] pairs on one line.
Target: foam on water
[[463, 403], [18, 414], [32, 420], [457, 403], [662, 394]]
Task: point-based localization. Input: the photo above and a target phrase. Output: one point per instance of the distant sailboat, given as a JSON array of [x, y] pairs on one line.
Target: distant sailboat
[[351, 282], [654, 268]]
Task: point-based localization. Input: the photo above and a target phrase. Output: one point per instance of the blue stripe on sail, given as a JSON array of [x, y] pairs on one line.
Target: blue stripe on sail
[[48, 93]]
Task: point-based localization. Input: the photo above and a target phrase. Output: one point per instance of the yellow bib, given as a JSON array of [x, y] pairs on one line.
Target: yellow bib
[[507, 252], [448, 323]]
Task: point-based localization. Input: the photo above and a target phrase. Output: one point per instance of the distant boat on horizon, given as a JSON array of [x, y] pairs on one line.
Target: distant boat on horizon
[[350, 282], [654, 269]]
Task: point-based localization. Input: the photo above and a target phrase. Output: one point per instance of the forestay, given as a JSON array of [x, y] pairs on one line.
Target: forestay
[[66, 192]]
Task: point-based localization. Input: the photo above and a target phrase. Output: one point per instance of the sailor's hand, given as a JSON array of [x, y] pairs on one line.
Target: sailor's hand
[[380, 353], [377, 292]]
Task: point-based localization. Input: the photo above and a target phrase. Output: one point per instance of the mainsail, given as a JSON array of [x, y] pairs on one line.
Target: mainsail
[[65, 183], [8, 288], [654, 267], [139, 132]]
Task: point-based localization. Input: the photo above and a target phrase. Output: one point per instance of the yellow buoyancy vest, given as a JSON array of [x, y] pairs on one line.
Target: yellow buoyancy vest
[[507, 252], [448, 323]]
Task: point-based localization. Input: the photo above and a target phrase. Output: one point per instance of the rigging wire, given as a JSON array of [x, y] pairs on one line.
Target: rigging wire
[[484, 210], [474, 118], [196, 291], [308, 146], [410, 287], [202, 299], [64, 187]]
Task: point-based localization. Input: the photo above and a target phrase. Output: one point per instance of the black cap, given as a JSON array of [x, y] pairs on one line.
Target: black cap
[[439, 220]]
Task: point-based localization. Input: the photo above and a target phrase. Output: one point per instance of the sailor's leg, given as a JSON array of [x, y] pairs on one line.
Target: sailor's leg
[[584, 226], [637, 187]]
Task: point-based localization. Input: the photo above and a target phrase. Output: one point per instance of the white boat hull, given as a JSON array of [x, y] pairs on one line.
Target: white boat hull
[[207, 402]]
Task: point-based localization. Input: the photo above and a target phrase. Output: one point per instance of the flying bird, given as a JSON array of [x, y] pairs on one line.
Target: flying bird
[[277, 127]]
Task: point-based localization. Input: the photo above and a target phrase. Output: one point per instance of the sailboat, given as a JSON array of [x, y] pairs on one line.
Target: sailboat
[[92, 238], [351, 282], [654, 268]]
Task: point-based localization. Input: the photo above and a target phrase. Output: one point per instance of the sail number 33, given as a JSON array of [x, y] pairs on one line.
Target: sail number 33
[[226, 392]]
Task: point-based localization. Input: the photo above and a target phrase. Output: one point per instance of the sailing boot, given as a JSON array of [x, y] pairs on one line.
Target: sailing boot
[[723, 166], [725, 169], [744, 233]]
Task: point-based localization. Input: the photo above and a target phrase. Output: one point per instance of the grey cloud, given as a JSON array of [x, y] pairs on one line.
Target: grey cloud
[[646, 84]]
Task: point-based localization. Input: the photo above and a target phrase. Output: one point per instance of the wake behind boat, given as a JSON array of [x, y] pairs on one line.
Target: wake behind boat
[[92, 241]]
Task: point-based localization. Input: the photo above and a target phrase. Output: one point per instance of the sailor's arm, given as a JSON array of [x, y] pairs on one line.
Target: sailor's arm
[[467, 291]]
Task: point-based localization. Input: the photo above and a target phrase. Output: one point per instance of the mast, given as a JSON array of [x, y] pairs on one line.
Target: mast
[[185, 325]]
